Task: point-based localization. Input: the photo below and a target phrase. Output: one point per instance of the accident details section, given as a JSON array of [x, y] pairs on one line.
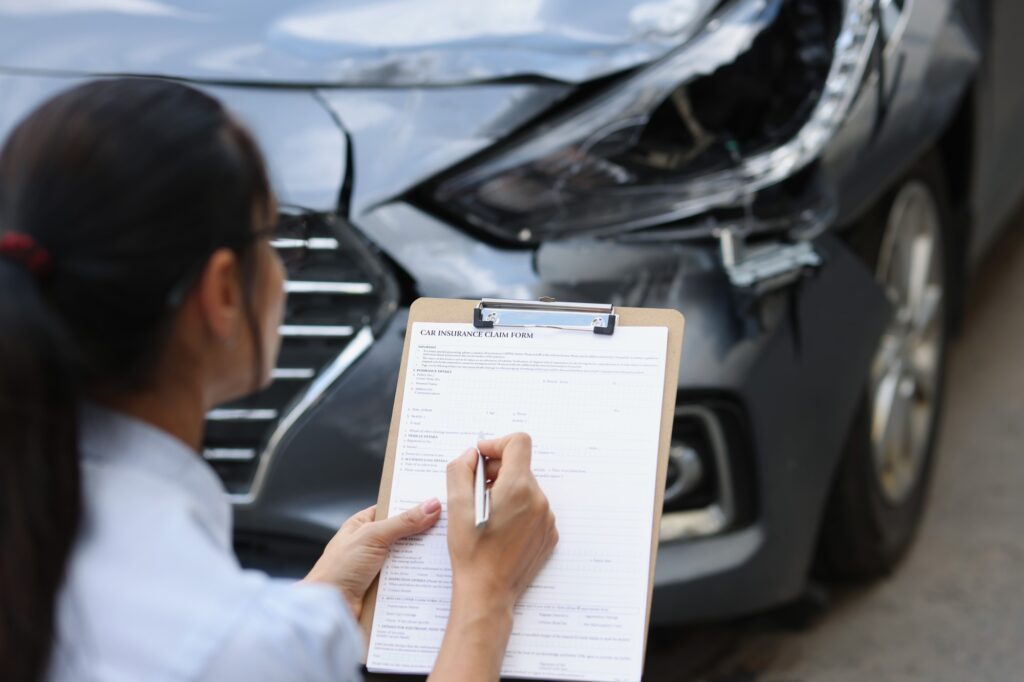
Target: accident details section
[[592, 405]]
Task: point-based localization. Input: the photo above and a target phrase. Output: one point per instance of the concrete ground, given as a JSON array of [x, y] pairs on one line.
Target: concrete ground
[[954, 610]]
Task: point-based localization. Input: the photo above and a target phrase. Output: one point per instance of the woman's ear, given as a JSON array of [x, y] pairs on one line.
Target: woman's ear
[[219, 296]]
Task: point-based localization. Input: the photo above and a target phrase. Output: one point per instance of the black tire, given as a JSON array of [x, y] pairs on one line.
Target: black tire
[[864, 534]]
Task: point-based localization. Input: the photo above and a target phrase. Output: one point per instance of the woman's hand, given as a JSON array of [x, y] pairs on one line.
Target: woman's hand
[[492, 565], [502, 558], [354, 556]]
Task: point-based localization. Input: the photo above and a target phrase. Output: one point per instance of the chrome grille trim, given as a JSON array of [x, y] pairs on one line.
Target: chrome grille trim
[[359, 344], [229, 454], [340, 295], [223, 414], [293, 373], [349, 288], [317, 331], [314, 243]]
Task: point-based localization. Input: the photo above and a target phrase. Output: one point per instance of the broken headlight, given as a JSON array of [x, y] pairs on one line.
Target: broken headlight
[[749, 101]]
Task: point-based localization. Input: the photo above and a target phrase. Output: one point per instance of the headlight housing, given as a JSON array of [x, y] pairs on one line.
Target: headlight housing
[[681, 136]]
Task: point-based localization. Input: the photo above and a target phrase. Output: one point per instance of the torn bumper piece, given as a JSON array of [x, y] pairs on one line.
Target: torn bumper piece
[[763, 269]]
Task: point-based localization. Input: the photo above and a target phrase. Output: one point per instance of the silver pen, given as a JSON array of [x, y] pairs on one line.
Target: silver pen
[[482, 496]]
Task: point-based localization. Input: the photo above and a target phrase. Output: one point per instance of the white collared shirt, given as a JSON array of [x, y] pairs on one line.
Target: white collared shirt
[[153, 590]]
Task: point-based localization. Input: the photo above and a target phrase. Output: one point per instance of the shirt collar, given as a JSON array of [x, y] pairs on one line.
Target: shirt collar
[[124, 441]]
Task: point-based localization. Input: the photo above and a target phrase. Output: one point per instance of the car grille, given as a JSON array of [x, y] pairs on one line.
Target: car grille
[[339, 296]]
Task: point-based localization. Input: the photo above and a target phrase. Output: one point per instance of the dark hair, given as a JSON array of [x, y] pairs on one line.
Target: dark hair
[[130, 185]]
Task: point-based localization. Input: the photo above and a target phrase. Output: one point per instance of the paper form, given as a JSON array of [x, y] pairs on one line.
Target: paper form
[[592, 405]]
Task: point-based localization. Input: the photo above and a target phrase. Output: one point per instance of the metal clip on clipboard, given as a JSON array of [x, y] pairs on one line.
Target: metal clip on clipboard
[[496, 312]]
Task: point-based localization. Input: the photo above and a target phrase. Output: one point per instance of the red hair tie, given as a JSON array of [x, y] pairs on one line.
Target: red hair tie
[[22, 248]]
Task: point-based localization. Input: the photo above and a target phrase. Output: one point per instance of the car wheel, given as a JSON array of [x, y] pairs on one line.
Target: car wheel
[[882, 480]]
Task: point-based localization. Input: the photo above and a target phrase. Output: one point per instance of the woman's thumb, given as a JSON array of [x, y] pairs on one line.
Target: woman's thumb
[[410, 522]]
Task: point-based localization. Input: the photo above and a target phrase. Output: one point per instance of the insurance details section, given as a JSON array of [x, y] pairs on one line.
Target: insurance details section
[[592, 405]]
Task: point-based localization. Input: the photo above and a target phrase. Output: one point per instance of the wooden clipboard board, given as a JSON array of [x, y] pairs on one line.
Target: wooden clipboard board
[[462, 311]]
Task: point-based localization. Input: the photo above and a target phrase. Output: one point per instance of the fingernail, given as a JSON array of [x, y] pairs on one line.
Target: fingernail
[[469, 451], [431, 506]]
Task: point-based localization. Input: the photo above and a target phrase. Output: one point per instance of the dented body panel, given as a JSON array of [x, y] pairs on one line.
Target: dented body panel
[[905, 105]]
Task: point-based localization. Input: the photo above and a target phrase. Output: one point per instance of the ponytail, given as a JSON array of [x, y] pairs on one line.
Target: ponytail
[[39, 474]]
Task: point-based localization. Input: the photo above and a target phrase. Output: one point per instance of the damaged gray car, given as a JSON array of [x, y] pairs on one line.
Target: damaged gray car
[[808, 181]]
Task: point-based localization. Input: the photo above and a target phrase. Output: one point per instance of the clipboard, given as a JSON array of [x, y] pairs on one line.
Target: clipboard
[[575, 317]]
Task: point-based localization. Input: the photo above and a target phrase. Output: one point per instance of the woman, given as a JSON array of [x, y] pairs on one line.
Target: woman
[[138, 289]]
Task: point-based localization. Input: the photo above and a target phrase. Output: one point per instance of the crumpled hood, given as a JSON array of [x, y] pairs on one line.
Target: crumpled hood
[[344, 42]]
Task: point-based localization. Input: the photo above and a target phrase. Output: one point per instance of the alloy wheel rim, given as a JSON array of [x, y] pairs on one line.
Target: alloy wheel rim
[[905, 371]]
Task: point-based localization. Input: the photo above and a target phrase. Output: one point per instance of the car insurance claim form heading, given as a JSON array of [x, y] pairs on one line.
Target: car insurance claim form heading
[[593, 406]]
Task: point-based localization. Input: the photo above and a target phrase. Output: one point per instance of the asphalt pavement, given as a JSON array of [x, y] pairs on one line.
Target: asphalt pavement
[[954, 610]]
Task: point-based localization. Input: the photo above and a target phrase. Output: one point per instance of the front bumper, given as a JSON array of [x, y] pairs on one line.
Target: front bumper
[[799, 383], [791, 365]]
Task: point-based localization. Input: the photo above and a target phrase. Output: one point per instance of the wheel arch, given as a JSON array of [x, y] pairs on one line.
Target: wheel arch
[[952, 194], [956, 148]]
